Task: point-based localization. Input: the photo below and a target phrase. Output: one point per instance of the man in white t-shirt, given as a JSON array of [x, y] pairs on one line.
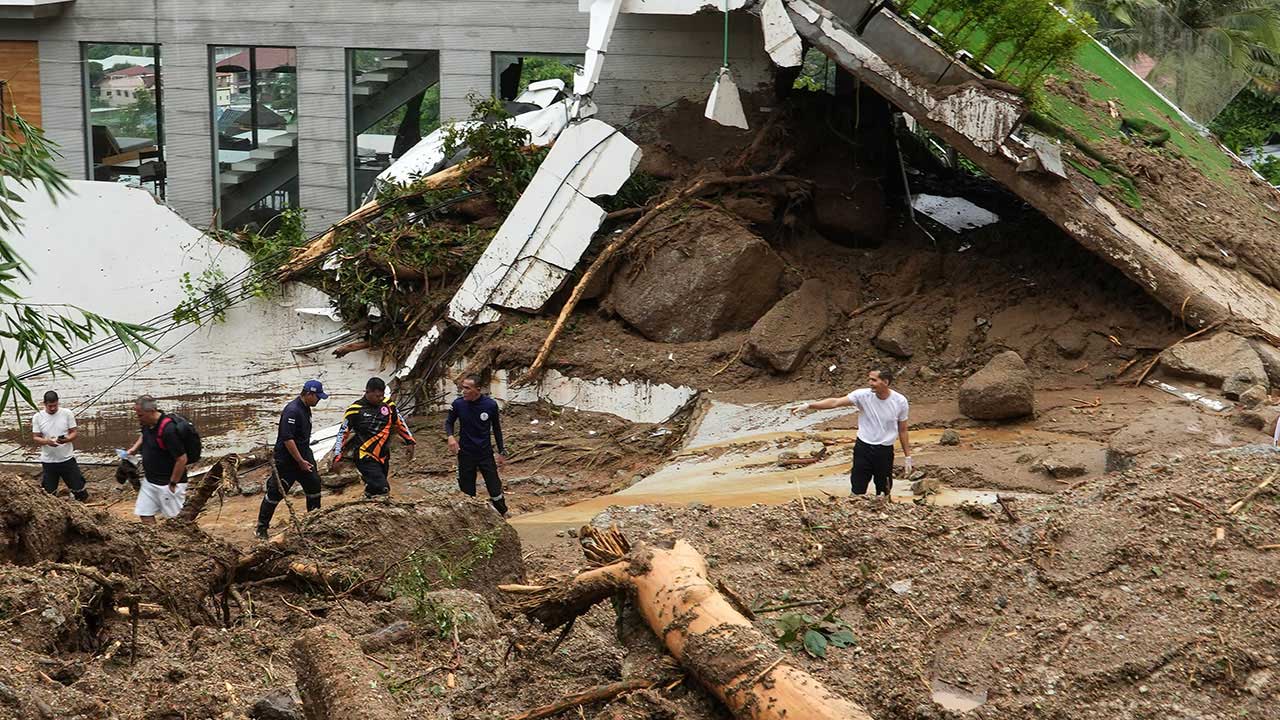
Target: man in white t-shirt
[[883, 418], [54, 430]]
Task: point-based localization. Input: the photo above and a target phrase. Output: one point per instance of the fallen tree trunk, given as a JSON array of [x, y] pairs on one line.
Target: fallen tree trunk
[[335, 681], [712, 640], [314, 251], [201, 490]]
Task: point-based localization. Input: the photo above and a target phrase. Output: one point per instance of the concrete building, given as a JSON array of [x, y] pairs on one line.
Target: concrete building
[[261, 105]]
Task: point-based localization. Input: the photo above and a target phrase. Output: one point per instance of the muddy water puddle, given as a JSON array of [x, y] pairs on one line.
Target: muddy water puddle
[[734, 463]]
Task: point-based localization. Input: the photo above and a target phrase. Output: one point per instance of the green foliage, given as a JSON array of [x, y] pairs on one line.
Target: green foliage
[[428, 116], [1249, 120], [1245, 32], [269, 247], [492, 135], [1269, 169], [817, 73], [426, 571], [1020, 39], [138, 118], [206, 293], [39, 336], [544, 67], [814, 635]]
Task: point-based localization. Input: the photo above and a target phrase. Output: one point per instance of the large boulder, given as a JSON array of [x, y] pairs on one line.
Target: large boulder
[[1225, 359], [696, 278], [902, 336], [999, 391], [782, 338]]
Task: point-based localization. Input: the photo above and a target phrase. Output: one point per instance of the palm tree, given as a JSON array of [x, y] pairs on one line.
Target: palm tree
[[1246, 32]]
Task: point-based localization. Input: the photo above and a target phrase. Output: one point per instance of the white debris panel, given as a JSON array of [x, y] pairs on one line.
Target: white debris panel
[[954, 213], [781, 40], [550, 226], [637, 401], [427, 157]]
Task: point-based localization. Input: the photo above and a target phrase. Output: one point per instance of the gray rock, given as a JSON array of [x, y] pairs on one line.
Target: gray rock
[[710, 275], [927, 373], [782, 338], [1060, 469], [469, 610], [949, 437], [1253, 397], [1225, 360], [278, 704], [1001, 390], [1261, 418], [1240, 382]]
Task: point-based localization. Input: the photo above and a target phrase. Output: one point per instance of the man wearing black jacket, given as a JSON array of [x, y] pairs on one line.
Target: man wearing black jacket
[[477, 416], [294, 461]]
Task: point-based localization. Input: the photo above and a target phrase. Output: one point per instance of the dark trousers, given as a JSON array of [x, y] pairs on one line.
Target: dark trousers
[[67, 471], [872, 462], [286, 474], [468, 464], [374, 473]]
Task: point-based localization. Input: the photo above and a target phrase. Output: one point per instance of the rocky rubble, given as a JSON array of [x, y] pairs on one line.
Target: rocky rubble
[[1224, 359]]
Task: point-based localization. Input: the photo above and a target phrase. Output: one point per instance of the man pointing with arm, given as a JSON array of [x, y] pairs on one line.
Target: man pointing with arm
[[883, 418]]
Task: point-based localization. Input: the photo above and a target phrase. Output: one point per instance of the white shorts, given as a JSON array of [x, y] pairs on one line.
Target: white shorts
[[159, 500]]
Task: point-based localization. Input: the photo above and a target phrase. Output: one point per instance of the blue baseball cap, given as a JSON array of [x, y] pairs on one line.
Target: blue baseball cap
[[314, 386]]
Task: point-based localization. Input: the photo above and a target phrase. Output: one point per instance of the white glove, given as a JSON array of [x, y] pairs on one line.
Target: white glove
[[907, 466]]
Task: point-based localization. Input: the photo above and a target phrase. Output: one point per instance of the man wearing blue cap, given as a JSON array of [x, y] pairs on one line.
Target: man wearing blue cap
[[294, 460]]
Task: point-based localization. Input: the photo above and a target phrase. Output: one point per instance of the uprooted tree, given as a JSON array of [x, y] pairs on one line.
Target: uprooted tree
[[700, 627]]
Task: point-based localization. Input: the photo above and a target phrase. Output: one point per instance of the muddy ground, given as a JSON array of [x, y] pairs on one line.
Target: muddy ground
[[1015, 578]]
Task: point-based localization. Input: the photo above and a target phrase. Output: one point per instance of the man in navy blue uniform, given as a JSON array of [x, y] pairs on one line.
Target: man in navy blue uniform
[[477, 416], [295, 463]]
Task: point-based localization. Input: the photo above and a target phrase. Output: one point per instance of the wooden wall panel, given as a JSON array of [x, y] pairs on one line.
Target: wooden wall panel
[[20, 69]]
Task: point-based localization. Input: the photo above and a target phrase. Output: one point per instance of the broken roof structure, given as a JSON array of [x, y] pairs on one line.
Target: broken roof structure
[[1206, 251]]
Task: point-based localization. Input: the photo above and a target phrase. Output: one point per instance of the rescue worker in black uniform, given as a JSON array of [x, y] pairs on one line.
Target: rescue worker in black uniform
[[476, 415], [294, 461], [369, 423]]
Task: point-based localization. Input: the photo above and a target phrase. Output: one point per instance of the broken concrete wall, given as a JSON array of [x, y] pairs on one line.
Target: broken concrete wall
[[113, 250]]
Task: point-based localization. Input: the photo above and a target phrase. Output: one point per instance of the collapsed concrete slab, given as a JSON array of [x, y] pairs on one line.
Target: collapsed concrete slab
[[549, 228], [979, 117]]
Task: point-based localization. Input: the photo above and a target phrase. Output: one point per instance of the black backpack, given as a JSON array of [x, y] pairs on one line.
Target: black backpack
[[186, 432]]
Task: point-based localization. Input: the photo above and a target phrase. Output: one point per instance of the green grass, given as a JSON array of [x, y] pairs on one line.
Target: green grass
[[1109, 80], [1105, 178]]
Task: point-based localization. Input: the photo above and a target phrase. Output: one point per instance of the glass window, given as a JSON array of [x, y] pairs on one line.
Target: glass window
[[255, 108], [395, 102], [122, 104], [512, 72]]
